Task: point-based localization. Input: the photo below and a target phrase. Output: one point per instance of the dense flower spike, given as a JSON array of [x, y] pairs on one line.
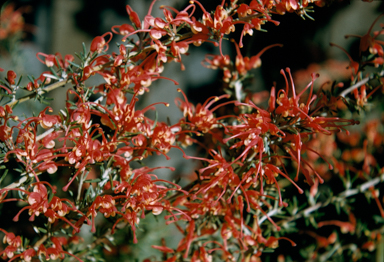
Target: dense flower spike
[[89, 164]]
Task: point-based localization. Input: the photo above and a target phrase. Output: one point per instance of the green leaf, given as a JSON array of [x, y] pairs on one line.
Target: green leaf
[[88, 193], [18, 82], [378, 219], [96, 136], [80, 56], [84, 49], [93, 180], [337, 206], [54, 72], [57, 62], [4, 175], [74, 64], [51, 195], [45, 102], [42, 230], [30, 78], [268, 250]]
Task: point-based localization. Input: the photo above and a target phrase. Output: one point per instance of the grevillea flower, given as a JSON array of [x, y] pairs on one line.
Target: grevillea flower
[[368, 42], [48, 121], [245, 64], [201, 117], [11, 76], [99, 44], [221, 23], [55, 60]]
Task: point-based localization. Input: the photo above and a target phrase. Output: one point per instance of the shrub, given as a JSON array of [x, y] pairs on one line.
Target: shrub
[[277, 167]]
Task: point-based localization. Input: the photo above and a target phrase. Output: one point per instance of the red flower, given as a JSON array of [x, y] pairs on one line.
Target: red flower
[[200, 117], [48, 121], [99, 44]]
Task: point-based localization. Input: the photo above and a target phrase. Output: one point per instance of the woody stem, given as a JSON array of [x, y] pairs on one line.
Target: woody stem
[[360, 83], [340, 197], [96, 68], [46, 89]]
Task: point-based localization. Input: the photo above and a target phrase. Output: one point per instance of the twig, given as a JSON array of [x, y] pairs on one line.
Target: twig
[[47, 89], [39, 137], [328, 254], [347, 193], [17, 184], [358, 84], [95, 68], [40, 241], [269, 214]]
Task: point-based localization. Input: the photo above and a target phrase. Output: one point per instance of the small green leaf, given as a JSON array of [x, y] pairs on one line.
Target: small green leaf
[[42, 230], [93, 180], [84, 49], [88, 193], [72, 63], [30, 78], [378, 219], [4, 175]]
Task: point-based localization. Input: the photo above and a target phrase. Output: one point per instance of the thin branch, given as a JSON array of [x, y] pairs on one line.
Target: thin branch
[[95, 68], [40, 137], [270, 214], [31, 96], [21, 181], [326, 256], [347, 193], [17, 184], [40, 241], [360, 83]]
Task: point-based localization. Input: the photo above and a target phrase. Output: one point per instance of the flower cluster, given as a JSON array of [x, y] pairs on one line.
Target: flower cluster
[[85, 166], [11, 22]]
